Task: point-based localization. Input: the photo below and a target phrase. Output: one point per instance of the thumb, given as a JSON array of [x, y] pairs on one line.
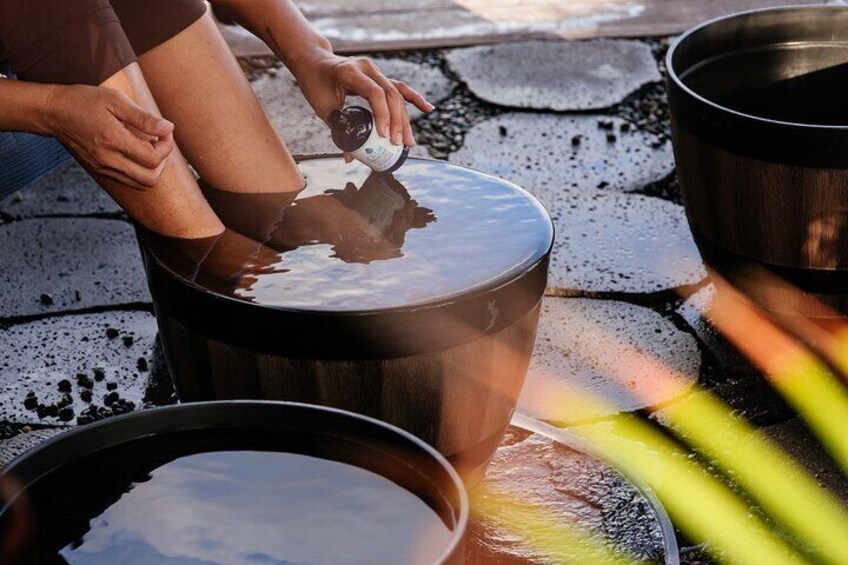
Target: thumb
[[134, 115]]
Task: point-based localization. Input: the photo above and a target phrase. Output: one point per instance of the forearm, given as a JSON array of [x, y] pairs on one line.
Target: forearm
[[25, 106], [280, 25]]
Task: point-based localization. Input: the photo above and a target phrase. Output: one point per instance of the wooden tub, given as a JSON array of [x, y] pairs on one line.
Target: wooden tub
[[432, 331], [761, 144]]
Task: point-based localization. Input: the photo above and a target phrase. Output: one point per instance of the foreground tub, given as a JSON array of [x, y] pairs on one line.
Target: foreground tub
[[227, 482], [414, 300]]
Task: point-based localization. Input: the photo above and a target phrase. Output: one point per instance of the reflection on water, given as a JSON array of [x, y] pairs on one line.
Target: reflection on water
[[360, 242], [359, 224], [263, 508]]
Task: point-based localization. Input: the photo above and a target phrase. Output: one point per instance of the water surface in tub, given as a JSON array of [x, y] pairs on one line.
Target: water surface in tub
[[259, 508], [357, 242], [801, 83]]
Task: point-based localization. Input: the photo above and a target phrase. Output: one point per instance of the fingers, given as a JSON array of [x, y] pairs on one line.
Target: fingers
[[134, 115], [398, 118], [365, 86], [133, 161], [141, 177], [413, 96], [123, 179], [148, 154], [387, 99]]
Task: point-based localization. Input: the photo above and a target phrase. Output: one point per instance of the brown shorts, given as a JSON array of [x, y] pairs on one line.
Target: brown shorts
[[86, 41]]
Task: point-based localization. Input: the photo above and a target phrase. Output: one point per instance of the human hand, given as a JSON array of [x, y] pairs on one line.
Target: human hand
[[110, 134], [326, 79]]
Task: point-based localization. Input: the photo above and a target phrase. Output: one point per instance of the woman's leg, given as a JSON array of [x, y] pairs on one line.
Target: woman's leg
[[175, 206], [220, 125]]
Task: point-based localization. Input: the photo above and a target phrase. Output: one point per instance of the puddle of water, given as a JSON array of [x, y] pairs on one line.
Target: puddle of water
[[572, 489]]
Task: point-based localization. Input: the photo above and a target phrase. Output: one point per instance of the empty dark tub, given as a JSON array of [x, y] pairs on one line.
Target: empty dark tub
[[233, 482], [761, 143], [413, 299]]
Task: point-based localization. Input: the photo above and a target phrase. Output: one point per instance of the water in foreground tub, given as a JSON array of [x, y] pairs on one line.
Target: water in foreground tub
[[250, 507]]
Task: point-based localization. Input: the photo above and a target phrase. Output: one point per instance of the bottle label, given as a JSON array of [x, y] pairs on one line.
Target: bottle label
[[378, 152]]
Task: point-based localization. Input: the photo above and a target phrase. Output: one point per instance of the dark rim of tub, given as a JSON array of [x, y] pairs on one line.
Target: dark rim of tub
[[335, 434], [788, 143], [381, 333]]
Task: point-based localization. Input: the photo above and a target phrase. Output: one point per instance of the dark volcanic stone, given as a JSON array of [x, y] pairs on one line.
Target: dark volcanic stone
[[46, 299], [65, 385], [66, 414], [111, 333], [84, 381], [141, 364], [128, 340], [63, 256]]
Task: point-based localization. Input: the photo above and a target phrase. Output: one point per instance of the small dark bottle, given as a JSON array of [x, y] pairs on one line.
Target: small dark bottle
[[353, 131]]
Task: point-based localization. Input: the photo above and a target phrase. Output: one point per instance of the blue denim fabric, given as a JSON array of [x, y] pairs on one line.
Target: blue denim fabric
[[25, 157]]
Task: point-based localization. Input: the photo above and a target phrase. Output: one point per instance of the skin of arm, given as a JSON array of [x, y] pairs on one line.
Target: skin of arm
[[23, 106], [104, 128], [324, 77]]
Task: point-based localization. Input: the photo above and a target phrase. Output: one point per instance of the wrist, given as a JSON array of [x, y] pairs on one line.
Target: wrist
[[316, 52], [46, 110], [26, 107]]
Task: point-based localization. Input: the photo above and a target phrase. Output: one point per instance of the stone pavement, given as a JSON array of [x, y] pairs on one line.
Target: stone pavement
[[79, 337], [374, 25]]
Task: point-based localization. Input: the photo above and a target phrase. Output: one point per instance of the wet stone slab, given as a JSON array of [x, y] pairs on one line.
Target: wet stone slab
[[572, 490], [726, 373], [56, 265], [556, 75], [67, 190], [595, 358], [695, 310], [305, 134], [550, 154], [18, 445], [362, 26], [621, 243], [58, 370]]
